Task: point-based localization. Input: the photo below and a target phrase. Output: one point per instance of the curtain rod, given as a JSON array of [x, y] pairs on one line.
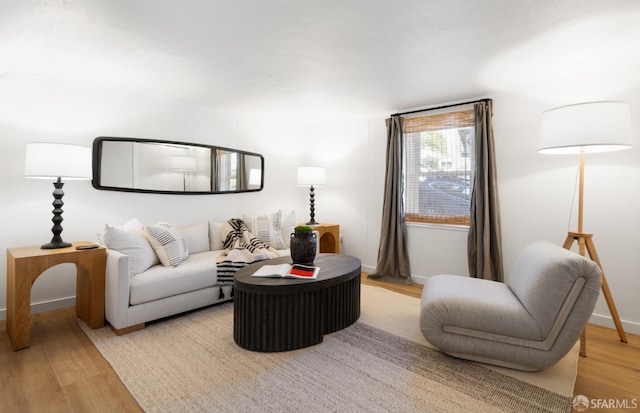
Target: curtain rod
[[441, 107]]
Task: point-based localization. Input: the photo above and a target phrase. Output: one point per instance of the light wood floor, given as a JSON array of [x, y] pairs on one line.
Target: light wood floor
[[62, 371]]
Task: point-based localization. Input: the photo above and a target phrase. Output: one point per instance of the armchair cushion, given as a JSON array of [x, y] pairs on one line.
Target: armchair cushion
[[548, 279], [476, 307]]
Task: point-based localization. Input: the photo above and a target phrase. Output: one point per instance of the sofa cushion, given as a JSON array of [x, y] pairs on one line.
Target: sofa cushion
[[267, 228], [215, 239], [198, 271], [283, 253], [168, 243], [130, 240], [197, 237], [288, 226]]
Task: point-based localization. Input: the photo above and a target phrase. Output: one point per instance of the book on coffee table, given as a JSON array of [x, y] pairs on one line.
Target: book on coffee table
[[288, 271]]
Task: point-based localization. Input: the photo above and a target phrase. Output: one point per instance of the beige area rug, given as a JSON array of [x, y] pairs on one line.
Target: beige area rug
[[380, 364]]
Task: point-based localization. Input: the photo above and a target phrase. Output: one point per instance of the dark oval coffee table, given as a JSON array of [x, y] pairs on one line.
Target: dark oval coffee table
[[281, 314]]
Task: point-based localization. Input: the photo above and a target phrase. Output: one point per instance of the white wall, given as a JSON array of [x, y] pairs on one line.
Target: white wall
[[535, 190]]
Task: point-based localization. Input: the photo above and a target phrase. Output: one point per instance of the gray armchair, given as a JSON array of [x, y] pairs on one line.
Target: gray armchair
[[528, 323]]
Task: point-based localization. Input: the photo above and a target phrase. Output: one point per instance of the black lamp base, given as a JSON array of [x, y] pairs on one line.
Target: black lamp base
[[55, 245], [312, 207], [56, 241]]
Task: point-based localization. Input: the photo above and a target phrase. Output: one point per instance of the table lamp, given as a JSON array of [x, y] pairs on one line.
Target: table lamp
[[310, 176], [56, 161]]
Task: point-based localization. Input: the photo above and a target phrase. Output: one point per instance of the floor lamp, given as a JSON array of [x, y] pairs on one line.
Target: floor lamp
[[184, 164], [580, 129]]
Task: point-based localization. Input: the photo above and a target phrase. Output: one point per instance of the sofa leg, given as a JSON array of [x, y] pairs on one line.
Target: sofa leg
[[127, 330]]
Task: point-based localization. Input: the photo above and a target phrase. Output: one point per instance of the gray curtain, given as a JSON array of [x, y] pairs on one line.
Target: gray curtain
[[484, 243], [393, 258]]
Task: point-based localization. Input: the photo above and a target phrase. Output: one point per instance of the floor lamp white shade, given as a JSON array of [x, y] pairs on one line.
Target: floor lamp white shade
[[585, 127], [182, 163], [255, 177], [57, 161]]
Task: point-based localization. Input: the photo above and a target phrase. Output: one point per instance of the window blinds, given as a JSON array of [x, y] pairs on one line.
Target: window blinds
[[439, 164]]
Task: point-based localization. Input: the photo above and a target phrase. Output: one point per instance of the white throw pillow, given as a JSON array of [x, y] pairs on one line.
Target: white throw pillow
[[215, 238], [267, 228], [169, 245], [288, 226], [197, 237], [130, 240]]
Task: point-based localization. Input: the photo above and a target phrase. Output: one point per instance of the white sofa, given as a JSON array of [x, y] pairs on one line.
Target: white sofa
[[141, 286]]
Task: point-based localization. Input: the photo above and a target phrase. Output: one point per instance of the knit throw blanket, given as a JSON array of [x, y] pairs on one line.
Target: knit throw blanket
[[241, 248]]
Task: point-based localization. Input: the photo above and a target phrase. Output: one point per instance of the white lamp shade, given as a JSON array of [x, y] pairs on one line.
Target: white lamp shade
[[255, 176], [182, 163], [312, 175], [586, 127], [53, 160]]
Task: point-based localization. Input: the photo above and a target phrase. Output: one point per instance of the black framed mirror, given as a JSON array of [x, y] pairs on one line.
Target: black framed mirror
[[171, 167]]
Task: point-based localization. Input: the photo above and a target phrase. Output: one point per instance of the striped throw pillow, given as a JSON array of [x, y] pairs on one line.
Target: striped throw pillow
[[168, 243]]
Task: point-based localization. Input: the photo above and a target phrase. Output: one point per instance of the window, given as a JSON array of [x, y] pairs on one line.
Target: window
[[439, 167]]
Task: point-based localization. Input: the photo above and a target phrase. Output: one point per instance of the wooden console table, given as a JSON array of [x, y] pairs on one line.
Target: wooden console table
[[329, 237], [24, 266]]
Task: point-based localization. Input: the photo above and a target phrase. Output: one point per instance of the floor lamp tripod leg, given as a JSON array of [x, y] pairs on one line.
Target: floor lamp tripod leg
[[585, 241], [591, 248]]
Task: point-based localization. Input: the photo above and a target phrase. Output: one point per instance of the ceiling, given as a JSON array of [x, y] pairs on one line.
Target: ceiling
[[330, 57]]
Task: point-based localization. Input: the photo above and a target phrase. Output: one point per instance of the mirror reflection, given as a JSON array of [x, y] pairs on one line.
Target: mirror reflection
[[142, 165]]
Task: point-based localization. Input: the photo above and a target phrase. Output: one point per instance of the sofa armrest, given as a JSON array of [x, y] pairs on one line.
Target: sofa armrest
[[117, 287]]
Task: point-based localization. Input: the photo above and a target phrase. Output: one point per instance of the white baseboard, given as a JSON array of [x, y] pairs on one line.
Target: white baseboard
[[606, 321], [418, 279], [43, 306], [368, 269]]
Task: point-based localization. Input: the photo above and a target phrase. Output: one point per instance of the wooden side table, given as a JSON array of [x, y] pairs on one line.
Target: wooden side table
[[329, 237], [24, 266]]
